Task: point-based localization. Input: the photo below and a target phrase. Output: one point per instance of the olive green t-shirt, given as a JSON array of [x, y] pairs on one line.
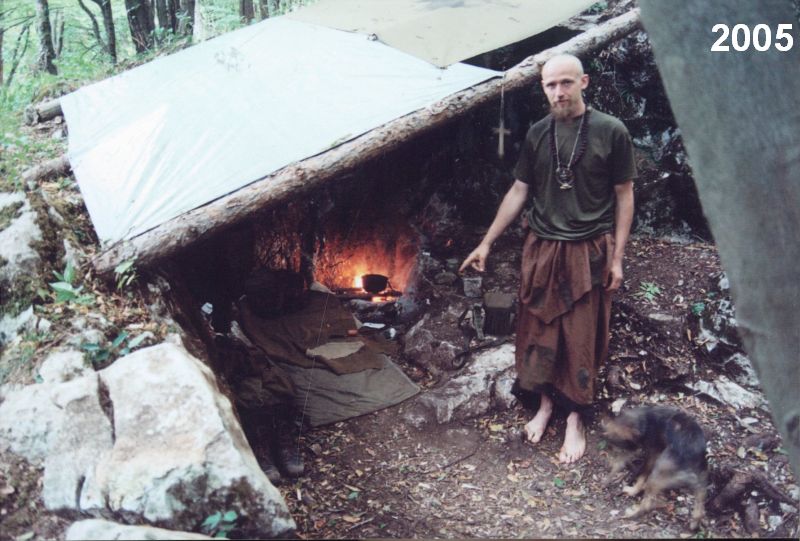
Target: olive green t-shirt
[[587, 209]]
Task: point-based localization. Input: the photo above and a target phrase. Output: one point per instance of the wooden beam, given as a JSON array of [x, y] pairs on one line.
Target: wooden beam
[[297, 178]]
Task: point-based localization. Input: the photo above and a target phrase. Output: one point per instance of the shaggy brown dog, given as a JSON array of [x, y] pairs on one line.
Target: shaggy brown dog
[[674, 450]]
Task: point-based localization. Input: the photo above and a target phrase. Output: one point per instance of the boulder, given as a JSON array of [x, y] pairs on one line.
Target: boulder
[[16, 240], [148, 439], [98, 530], [84, 437], [727, 392], [63, 365], [433, 353], [179, 450], [744, 373], [470, 393], [32, 416]]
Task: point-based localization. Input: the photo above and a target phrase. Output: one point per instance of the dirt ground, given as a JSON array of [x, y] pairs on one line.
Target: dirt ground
[[376, 477]]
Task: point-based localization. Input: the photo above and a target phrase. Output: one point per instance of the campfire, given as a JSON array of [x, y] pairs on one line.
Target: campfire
[[372, 266]]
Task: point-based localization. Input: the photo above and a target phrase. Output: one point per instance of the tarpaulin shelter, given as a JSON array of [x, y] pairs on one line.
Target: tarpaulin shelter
[[153, 146], [442, 31]]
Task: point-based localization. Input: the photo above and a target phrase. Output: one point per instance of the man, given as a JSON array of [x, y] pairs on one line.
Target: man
[[578, 166]]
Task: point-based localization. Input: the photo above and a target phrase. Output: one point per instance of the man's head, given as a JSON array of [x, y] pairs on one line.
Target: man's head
[[563, 81]]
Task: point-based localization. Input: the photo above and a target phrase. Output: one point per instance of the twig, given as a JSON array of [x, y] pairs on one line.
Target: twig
[[453, 462], [360, 524]]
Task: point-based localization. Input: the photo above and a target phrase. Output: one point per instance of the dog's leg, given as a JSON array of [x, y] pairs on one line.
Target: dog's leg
[[663, 474], [637, 487], [699, 510], [647, 468], [618, 462]]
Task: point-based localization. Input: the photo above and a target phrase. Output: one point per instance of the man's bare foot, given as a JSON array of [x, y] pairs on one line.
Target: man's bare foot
[[574, 440], [534, 430]]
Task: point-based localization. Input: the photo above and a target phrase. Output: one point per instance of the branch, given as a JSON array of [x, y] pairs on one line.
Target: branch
[[95, 26], [17, 55]]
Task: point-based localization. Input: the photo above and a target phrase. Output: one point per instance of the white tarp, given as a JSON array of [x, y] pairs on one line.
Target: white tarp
[[443, 31], [164, 138]]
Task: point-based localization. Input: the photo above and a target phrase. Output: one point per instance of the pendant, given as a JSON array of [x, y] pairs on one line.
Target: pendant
[[565, 178]]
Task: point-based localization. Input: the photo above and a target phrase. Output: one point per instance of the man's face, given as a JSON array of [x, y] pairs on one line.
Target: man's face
[[562, 83]]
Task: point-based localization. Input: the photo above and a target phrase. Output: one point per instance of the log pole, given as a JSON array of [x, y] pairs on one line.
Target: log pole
[[290, 181]]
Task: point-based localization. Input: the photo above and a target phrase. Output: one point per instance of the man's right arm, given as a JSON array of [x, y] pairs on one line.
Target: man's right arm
[[511, 206]]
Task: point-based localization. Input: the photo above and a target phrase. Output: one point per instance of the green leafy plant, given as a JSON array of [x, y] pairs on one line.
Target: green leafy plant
[[100, 354], [125, 273], [65, 289], [698, 308], [220, 524], [649, 291]]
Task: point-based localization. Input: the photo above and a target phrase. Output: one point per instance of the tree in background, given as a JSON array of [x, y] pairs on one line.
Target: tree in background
[[141, 23], [109, 45], [186, 17], [246, 11], [47, 53]]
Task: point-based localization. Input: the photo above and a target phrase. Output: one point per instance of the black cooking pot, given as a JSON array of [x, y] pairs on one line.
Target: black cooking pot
[[374, 283]]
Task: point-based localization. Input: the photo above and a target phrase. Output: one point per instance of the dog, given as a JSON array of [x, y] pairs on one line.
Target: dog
[[673, 446]]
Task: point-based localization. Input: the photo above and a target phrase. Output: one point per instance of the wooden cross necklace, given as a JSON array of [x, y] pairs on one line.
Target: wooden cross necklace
[[501, 130], [564, 173]]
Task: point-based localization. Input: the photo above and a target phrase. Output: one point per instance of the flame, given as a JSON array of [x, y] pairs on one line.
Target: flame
[[357, 282]]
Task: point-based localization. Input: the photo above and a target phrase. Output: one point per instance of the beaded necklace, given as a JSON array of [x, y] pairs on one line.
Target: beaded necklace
[[564, 173]]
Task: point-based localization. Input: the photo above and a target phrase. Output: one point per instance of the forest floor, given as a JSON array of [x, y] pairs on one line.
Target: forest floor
[[377, 477]]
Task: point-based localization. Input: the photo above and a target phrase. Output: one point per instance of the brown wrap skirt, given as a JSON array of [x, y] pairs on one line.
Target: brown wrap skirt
[[563, 315]]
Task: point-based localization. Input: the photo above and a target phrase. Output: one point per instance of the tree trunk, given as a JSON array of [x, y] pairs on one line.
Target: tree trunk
[[46, 52], [741, 138], [140, 20], [292, 180], [246, 11], [108, 25], [95, 27], [2, 32], [173, 8], [186, 17], [161, 13], [263, 9]]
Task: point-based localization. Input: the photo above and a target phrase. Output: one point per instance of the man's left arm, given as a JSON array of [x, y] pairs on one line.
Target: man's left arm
[[623, 218]]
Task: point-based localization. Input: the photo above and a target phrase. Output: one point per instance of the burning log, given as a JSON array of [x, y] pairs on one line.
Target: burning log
[[296, 179]]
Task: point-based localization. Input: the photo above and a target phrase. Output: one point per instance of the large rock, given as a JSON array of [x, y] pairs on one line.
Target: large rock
[[470, 393], [84, 437], [32, 417], [99, 530], [429, 351], [179, 450], [148, 439], [16, 240], [727, 392], [64, 365]]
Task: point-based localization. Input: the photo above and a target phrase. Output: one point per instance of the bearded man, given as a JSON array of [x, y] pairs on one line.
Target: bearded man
[[577, 166]]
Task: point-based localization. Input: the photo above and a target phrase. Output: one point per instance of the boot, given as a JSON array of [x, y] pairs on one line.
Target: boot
[[268, 467], [288, 451]]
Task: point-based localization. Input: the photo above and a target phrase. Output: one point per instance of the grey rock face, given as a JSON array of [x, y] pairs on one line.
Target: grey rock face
[[98, 530], [150, 439], [16, 240], [470, 393]]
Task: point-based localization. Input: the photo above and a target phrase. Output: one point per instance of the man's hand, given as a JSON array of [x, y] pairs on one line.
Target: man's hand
[[477, 259], [614, 277]]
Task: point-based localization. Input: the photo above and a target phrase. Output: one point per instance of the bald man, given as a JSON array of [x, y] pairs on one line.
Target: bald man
[[576, 171]]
